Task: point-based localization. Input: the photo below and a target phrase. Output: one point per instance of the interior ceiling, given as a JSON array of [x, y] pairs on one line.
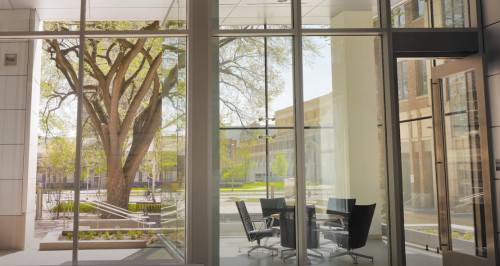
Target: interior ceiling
[[231, 12]]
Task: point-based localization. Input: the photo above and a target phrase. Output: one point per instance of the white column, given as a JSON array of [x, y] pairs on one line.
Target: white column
[[357, 153], [19, 97]]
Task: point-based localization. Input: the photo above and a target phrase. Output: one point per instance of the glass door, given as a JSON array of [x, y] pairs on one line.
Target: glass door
[[466, 235]]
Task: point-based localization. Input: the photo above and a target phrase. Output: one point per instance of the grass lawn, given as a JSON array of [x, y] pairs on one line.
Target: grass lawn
[[254, 187]]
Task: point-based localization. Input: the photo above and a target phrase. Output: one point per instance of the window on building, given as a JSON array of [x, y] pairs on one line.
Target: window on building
[[403, 80], [398, 17], [418, 8], [453, 13], [421, 78]]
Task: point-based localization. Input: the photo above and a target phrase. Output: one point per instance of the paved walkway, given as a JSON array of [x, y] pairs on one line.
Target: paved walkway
[[32, 256]]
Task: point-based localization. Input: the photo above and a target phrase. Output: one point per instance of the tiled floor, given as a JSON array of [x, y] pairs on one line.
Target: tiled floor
[[233, 251]]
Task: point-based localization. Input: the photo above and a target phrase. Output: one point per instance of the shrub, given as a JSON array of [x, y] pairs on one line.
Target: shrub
[[150, 232], [91, 235], [118, 235], [455, 235], [132, 207], [70, 206], [106, 235], [69, 236], [139, 233], [228, 184], [132, 234]]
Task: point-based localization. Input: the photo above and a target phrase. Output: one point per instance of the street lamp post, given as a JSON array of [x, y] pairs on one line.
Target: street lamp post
[[232, 165], [232, 170]]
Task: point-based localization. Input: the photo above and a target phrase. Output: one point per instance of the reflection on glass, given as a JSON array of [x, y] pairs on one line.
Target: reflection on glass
[[251, 69], [463, 158], [419, 185], [414, 88], [340, 14], [253, 14], [417, 157], [344, 144], [252, 168], [256, 146], [451, 13], [416, 14], [410, 14]]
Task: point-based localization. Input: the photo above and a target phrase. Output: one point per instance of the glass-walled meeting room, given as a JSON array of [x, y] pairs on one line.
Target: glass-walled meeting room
[[301, 165]]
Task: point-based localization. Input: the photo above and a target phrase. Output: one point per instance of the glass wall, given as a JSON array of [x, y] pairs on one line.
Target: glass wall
[[257, 147], [56, 140], [417, 156], [345, 146], [142, 150], [132, 179]]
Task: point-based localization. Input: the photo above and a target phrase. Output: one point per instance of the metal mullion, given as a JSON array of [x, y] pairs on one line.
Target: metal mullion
[[33, 35], [252, 33], [415, 119], [79, 135], [300, 183], [136, 33], [394, 194], [438, 30], [343, 32], [266, 96], [253, 128]]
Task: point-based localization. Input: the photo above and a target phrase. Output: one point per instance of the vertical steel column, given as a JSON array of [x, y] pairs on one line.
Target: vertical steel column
[[300, 182], [78, 157], [393, 145], [199, 194], [266, 117]]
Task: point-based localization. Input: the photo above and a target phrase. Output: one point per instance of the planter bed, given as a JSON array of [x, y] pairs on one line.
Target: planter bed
[[59, 240], [51, 242]]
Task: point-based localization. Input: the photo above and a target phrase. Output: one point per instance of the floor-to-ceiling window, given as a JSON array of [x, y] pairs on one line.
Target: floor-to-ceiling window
[[131, 182], [343, 131], [300, 107]]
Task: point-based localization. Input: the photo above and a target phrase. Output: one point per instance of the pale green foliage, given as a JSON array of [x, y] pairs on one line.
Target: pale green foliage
[[59, 156], [280, 164]]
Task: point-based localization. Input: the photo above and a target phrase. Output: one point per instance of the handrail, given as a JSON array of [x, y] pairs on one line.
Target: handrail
[[113, 210]]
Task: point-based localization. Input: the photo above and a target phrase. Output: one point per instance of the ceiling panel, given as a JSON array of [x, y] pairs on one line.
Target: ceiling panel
[[121, 14], [4, 4], [177, 13], [61, 14], [129, 3], [58, 4]]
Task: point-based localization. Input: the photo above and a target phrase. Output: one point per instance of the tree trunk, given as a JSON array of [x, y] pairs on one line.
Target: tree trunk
[[118, 189], [119, 186]]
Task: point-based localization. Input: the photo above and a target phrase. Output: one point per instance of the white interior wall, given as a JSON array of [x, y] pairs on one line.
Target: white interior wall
[[18, 131], [350, 57]]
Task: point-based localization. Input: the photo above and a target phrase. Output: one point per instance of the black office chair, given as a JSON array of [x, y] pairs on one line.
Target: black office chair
[[356, 234], [252, 233], [342, 207], [272, 206], [287, 228]]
